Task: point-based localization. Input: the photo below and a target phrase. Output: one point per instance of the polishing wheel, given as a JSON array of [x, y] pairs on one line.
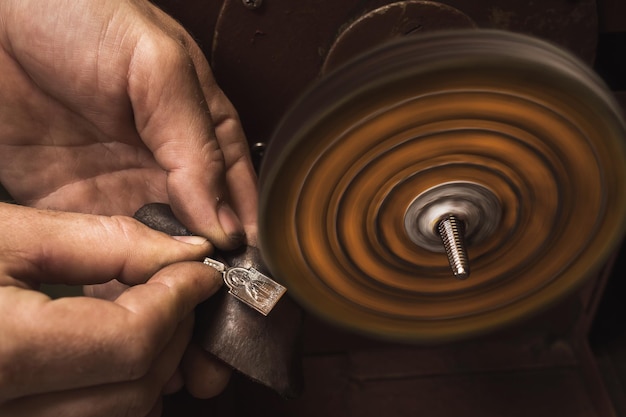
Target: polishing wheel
[[444, 185]]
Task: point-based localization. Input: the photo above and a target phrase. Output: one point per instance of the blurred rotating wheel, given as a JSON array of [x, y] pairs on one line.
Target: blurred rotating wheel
[[508, 116]]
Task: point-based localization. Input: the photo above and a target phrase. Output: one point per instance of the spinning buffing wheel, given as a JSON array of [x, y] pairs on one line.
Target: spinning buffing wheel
[[507, 138]]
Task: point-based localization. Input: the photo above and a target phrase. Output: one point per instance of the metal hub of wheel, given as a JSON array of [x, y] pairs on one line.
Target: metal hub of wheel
[[504, 146]]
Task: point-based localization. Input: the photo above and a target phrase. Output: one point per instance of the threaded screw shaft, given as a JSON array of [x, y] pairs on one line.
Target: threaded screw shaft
[[452, 232]]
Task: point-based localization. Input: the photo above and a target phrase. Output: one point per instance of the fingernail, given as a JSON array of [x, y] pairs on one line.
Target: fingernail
[[230, 222], [193, 240]]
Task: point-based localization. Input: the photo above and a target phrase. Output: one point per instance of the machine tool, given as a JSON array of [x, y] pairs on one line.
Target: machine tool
[[442, 190]]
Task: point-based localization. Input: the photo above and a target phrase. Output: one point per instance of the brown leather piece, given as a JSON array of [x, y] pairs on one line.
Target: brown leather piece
[[266, 349]]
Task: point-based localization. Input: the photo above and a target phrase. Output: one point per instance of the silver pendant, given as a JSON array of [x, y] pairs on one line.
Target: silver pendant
[[250, 286]]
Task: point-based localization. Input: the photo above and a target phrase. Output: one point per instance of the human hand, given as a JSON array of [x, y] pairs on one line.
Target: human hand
[[107, 106], [81, 356]]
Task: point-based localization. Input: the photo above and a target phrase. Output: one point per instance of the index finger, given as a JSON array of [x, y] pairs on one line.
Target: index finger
[[53, 345], [173, 120], [240, 175]]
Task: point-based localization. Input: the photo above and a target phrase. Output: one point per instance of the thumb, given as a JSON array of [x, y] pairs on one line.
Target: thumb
[[42, 246]]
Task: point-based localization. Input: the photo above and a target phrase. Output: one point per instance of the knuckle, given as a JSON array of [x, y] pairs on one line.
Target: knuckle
[[138, 355], [214, 157], [141, 402], [179, 55], [160, 48], [171, 54], [141, 345], [236, 151], [157, 51], [122, 227]]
